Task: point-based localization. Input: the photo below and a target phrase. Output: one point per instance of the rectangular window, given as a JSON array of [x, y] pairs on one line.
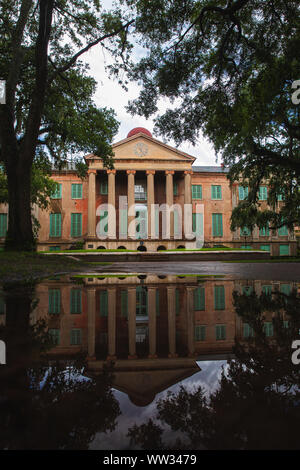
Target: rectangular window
[[247, 290], [177, 301], [124, 303], [217, 225], [197, 224], [175, 188], [54, 334], [76, 336], [248, 331], [220, 332], [280, 197], [265, 247], [200, 332], [219, 296], [54, 248], [76, 225], [284, 250], [283, 231], [140, 191], [57, 193], [199, 298], [263, 193], [246, 247], [216, 192], [3, 225], [76, 191], [104, 187], [54, 301], [285, 289], [264, 232], [196, 191], [103, 222], [268, 328], [75, 301], [267, 290], [243, 193], [245, 232], [55, 225], [103, 303]]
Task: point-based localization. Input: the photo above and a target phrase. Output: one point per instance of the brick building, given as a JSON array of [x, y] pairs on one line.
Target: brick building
[[148, 177]]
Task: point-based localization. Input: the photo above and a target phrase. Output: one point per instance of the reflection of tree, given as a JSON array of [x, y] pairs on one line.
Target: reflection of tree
[[46, 404], [256, 405]]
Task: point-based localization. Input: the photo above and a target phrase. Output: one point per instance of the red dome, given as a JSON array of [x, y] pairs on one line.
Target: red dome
[[137, 130]]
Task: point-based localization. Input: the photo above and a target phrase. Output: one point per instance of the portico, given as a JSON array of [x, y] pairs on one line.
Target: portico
[[148, 179]]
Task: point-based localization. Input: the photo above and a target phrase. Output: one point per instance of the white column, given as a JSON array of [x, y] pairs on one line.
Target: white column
[[187, 201], [111, 204], [92, 204], [131, 204], [169, 198], [150, 202]]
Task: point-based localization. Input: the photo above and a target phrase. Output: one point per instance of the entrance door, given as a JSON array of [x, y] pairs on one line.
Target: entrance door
[[141, 221]]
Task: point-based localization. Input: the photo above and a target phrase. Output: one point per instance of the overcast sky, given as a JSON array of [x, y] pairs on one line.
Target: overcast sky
[[110, 94]]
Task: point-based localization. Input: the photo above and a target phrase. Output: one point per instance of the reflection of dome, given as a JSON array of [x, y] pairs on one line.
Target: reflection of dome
[[141, 400], [137, 130]]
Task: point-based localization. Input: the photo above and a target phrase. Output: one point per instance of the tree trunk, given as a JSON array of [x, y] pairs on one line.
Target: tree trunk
[[19, 235]]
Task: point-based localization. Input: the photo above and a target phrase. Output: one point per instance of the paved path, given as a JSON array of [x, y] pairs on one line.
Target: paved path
[[259, 271]]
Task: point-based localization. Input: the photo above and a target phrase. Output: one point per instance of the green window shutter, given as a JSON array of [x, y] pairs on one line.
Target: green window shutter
[[75, 301], [55, 225], [243, 193], [248, 331], [3, 225], [267, 290], [219, 296], [280, 197], [247, 290], [268, 328], [103, 303], [54, 334], [196, 191], [57, 193], [76, 225], [175, 188], [264, 231], [124, 303], [245, 232], [246, 247], [263, 193], [283, 231], [265, 247], [217, 225], [123, 222], [285, 289], [76, 191], [54, 301], [76, 336], [216, 192], [157, 302], [220, 332], [104, 187], [103, 222], [177, 301], [199, 298], [286, 324], [284, 250], [200, 332]]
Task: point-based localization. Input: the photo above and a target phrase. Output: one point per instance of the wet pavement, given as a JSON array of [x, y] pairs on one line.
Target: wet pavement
[[280, 271]]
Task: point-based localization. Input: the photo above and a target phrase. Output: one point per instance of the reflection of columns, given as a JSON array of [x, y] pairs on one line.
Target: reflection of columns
[[190, 320], [131, 203], [169, 198], [92, 204], [171, 321], [187, 200], [132, 322], [150, 201], [91, 303], [152, 321], [111, 203], [111, 323]]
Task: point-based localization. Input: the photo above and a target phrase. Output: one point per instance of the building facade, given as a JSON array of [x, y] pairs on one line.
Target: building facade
[[129, 206]]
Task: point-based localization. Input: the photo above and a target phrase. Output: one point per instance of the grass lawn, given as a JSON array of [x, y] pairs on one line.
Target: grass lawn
[[27, 267]]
